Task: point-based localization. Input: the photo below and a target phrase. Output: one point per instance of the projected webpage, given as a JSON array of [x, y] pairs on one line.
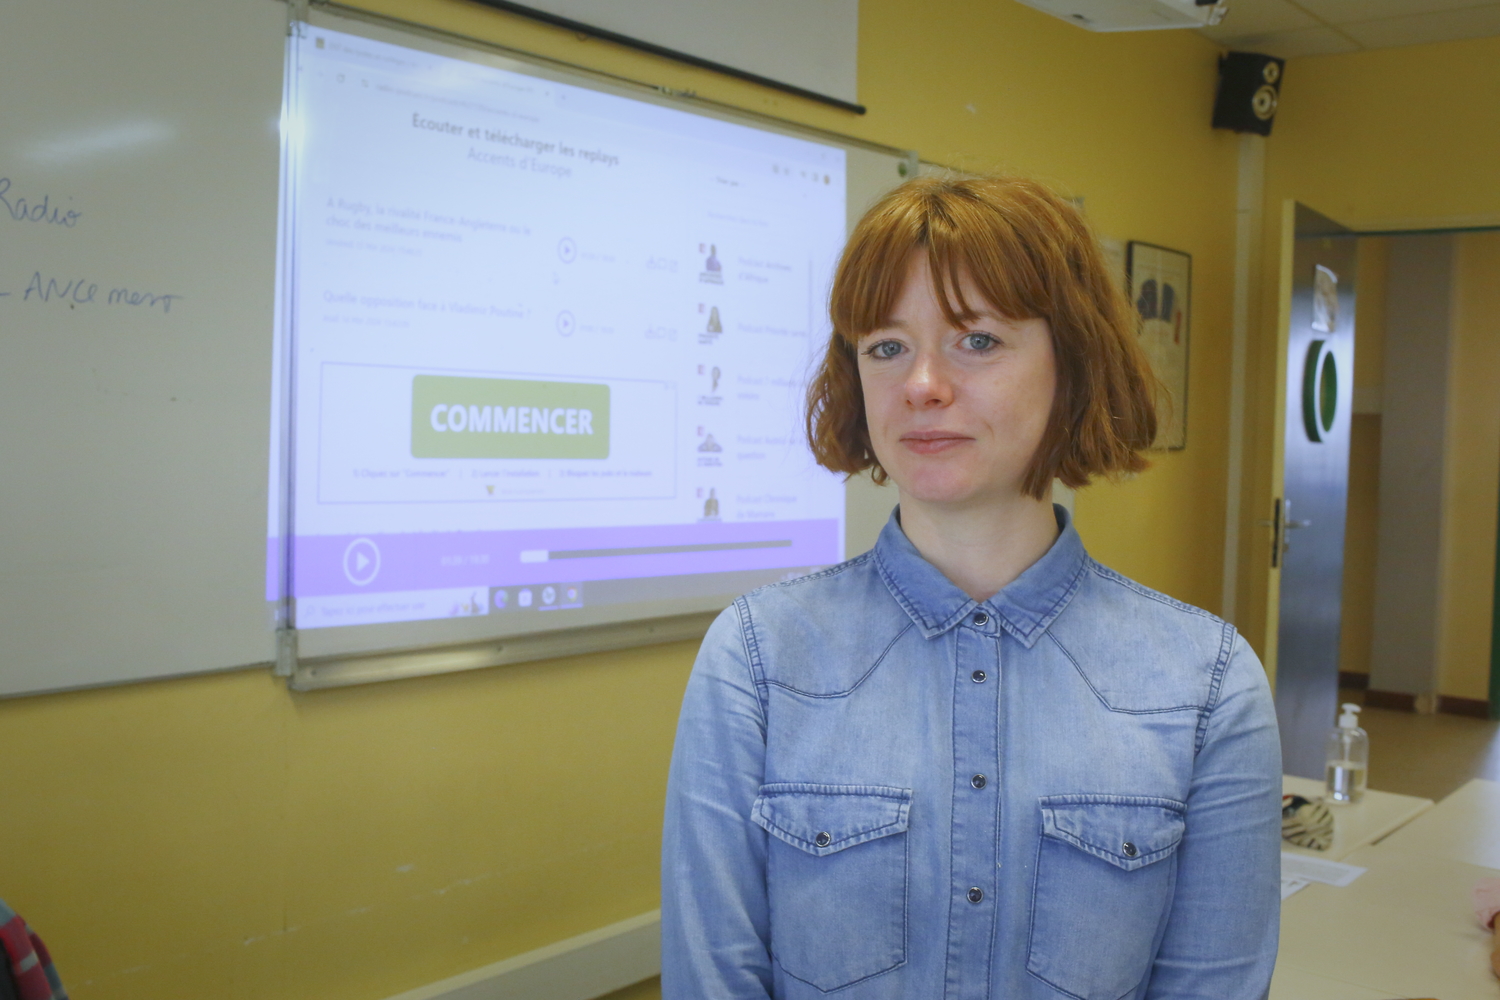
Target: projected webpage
[[548, 344]]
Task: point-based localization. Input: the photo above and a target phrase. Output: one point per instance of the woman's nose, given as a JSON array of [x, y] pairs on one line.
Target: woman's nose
[[928, 383]]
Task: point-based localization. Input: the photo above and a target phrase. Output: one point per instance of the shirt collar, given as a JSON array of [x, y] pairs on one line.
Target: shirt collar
[[1024, 608]]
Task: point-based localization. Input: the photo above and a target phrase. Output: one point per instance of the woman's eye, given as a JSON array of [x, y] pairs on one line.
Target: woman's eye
[[979, 341], [884, 349]]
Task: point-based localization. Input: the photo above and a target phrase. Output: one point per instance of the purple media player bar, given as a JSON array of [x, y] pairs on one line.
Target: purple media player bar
[[326, 565]]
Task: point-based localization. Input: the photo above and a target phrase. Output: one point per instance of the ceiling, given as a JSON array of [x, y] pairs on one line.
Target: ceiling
[[1290, 28]]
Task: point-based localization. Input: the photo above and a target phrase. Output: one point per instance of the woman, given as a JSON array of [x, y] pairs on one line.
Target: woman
[[973, 762]]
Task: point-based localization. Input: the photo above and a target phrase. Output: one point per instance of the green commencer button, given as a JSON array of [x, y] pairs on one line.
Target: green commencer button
[[456, 417]]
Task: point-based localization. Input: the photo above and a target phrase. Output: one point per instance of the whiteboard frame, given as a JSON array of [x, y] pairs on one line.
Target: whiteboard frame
[[866, 506]]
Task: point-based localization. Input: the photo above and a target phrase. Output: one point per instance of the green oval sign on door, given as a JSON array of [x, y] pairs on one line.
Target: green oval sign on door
[[1320, 390]]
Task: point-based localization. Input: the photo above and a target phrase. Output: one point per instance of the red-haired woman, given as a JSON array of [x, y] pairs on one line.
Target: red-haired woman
[[973, 762]]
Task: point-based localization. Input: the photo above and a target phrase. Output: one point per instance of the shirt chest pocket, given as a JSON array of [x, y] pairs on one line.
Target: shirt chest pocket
[[1105, 872], [835, 879]]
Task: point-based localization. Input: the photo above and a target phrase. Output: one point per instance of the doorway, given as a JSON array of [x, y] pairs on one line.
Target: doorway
[[1430, 620]]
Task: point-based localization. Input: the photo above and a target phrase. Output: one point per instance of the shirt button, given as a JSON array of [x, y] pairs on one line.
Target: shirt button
[[977, 781], [978, 676], [980, 618], [1129, 849], [976, 894], [823, 840]]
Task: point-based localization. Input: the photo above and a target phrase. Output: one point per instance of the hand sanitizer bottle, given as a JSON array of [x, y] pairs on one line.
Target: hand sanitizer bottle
[[1348, 757]]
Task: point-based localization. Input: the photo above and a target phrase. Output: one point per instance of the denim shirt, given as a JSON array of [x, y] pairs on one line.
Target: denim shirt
[[884, 789]]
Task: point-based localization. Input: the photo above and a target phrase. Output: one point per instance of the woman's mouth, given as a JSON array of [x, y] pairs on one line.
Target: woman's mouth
[[933, 442]]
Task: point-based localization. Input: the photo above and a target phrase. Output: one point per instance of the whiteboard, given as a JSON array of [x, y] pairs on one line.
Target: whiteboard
[[139, 159]]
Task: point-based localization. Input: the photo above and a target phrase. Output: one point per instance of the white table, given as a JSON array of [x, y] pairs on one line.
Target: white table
[[1466, 827], [1355, 824], [1404, 928]]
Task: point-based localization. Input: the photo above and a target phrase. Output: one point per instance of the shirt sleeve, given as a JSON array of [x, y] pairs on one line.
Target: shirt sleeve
[[1221, 935], [715, 916]]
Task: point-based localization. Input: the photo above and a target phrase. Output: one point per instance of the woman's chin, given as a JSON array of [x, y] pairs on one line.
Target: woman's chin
[[944, 491]]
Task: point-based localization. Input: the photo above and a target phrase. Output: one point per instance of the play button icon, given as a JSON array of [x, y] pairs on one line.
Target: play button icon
[[361, 561]]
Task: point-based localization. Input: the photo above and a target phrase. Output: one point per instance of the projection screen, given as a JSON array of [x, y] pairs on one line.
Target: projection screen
[[544, 343]]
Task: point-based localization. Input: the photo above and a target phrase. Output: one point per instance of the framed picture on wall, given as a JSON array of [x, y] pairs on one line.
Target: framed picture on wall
[[1160, 282]]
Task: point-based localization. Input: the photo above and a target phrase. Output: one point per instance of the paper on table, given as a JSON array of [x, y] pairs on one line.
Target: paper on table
[[1290, 884], [1301, 867]]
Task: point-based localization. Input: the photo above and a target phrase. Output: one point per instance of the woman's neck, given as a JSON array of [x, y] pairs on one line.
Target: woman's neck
[[981, 548]]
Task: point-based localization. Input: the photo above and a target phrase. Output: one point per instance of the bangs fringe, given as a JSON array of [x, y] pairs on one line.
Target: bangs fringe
[[961, 236]]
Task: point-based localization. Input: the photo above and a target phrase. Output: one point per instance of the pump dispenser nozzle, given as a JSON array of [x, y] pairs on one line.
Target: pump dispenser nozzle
[[1350, 718]]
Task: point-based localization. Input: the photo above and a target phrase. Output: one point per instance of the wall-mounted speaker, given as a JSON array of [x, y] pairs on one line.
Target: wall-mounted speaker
[[1249, 90]]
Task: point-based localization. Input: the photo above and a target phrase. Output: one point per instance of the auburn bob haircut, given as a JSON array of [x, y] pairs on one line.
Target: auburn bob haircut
[[1030, 254]]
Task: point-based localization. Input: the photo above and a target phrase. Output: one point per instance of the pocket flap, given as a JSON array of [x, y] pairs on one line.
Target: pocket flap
[[825, 819], [1128, 831]]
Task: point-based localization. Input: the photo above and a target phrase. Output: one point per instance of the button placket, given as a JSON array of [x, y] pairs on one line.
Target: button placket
[[975, 830]]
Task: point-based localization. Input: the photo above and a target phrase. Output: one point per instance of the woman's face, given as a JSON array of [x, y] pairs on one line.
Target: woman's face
[[955, 413]]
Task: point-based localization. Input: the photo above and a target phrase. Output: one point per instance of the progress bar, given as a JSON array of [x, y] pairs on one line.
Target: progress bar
[[546, 555]]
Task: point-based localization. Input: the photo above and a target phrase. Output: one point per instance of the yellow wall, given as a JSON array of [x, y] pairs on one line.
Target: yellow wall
[[220, 837], [1471, 486], [1398, 138], [1395, 138]]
